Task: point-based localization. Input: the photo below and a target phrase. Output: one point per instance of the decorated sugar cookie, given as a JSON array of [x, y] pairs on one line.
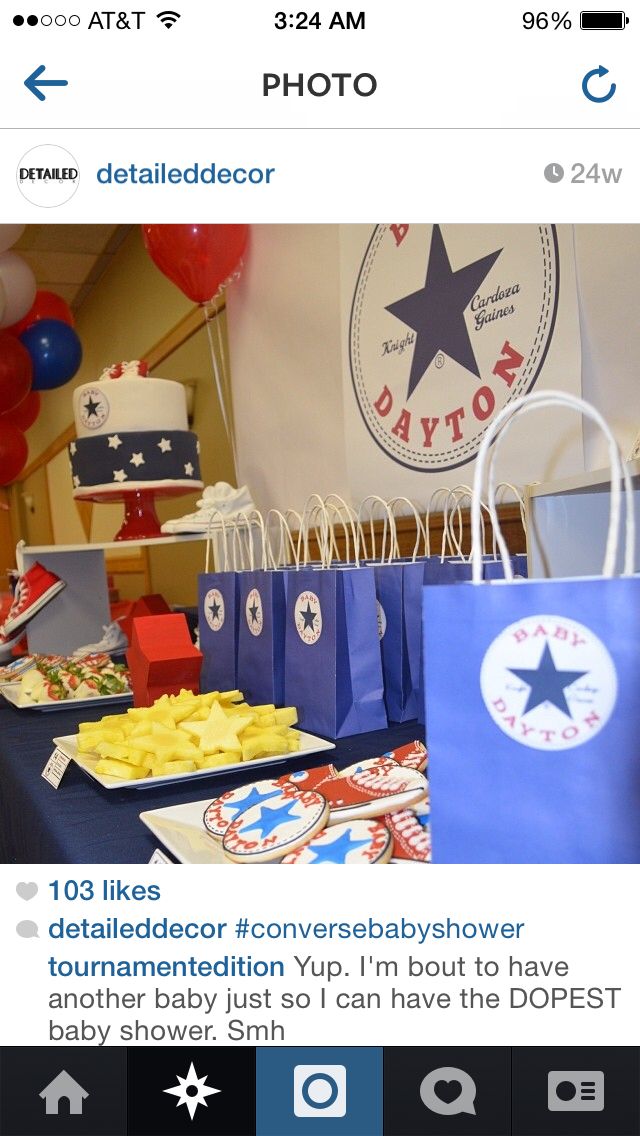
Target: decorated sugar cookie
[[356, 842], [372, 793], [227, 808], [411, 836], [275, 827], [411, 756], [309, 778], [367, 763]]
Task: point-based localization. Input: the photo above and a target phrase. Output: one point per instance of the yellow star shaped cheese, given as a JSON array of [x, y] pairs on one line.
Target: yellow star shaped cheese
[[218, 732]]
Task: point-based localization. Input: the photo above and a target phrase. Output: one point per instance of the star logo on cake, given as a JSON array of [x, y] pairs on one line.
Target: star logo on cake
[[188, 469], [93, 408], [164, 445], [137, 460], [119, 475], [308, 617], [76, 481], [253, 612], [213, 607], [114, 441], [548, 682], [73, 449]]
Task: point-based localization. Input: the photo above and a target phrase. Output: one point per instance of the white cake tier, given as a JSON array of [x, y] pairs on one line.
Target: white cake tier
[[111, 405]]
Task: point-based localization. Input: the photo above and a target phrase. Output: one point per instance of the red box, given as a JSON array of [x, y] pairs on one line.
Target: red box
[[146, 605], [162, 659]]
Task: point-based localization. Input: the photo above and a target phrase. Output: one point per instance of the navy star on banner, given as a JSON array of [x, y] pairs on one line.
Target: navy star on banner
[[436, 312]]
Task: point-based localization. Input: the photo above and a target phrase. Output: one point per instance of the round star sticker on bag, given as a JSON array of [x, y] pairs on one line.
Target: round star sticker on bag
[[253, 612], [214, 609], [308, 617], [549, 682]]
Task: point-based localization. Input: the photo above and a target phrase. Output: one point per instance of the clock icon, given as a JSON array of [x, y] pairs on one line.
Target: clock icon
[[554, 173]]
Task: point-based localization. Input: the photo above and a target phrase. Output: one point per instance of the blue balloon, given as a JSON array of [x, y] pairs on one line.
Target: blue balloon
[[55, 350]]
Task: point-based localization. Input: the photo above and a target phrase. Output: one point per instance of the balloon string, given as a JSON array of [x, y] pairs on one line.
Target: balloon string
[[210, 314]]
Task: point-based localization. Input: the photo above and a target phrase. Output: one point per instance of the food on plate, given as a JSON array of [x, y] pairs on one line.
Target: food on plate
[[54, 678], [185, 732]]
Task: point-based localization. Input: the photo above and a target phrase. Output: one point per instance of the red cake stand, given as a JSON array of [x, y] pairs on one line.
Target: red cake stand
[[140, 517]]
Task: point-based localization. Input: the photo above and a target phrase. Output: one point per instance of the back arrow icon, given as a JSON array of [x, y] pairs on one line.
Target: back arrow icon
[[34, 82], [600, 72]]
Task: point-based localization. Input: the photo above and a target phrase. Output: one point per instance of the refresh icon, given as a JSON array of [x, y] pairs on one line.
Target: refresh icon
[[600, 72]]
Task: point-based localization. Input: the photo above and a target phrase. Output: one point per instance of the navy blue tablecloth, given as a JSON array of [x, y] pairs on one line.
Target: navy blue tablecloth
[[82, 823]]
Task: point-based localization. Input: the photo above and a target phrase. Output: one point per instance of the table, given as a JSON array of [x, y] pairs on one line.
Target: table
[[82, 823]]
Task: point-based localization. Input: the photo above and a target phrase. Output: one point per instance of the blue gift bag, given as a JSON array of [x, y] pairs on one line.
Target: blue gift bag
[[261, 626], [333, 668], [532, 710], [399, 596], [218, 628]]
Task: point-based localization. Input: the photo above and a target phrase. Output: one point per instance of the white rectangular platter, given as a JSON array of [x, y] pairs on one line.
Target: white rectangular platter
[[309, 744], [181, 829], [11, 691]]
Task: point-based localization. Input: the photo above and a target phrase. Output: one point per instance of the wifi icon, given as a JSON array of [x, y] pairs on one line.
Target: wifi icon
[[168, 18]]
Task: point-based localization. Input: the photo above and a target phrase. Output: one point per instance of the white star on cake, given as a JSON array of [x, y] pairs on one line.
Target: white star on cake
[[119, 475], [73, 449], [164, 445], [198, 446], [188, 469], [76, 481], [114, 441], [137, 459]]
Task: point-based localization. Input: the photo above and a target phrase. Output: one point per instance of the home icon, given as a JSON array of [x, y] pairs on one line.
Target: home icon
[[64, 1087]]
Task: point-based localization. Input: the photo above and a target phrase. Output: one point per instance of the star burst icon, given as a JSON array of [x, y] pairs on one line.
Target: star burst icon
[[192, 1090]]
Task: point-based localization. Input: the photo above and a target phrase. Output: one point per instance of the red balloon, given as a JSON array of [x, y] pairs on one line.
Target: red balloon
[[13, 452], [47, 305], [16, 372], [24, 415], [197, 258]]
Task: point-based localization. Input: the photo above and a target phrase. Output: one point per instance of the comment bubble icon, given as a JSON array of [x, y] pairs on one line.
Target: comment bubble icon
[[448, 1091], [27, 929]]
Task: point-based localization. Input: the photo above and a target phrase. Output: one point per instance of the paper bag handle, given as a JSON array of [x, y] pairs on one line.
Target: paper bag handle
[[497, 431]]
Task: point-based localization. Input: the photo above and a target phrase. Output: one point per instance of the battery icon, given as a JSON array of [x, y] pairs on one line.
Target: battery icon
[[603, 21]]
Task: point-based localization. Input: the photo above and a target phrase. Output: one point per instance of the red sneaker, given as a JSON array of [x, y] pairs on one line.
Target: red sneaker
[[33, 591], [7, 643]]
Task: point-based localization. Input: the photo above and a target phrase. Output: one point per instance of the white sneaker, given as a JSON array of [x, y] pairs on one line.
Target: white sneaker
[[218, 498], [113, 641]]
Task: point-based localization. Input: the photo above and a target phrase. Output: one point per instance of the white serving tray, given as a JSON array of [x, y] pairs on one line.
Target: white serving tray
[[309, 744], [11, 691], [181, 829]]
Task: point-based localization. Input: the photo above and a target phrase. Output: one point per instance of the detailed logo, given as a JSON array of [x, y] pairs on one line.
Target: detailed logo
[[253, 612], [382, 620], [48, 176], [447, 326], [214, 609], [308, 617], [549, 682], [93, 409]]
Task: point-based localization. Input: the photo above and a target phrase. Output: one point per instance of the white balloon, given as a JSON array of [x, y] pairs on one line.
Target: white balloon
[[19, 287], [9, 234]]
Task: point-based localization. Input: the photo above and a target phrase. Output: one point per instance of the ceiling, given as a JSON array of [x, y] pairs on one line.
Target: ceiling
[[70, 259]]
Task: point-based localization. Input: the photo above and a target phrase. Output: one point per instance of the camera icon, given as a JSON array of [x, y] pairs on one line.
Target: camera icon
[[319, 1090]]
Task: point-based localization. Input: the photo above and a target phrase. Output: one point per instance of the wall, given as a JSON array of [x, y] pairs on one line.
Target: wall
[[608, 264]]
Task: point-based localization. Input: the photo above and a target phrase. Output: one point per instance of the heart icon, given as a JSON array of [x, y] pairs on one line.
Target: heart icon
[[27, 891], [448, 1091]]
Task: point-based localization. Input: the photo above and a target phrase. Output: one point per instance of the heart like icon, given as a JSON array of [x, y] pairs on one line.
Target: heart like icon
[[27, 891], [447, 1091]]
